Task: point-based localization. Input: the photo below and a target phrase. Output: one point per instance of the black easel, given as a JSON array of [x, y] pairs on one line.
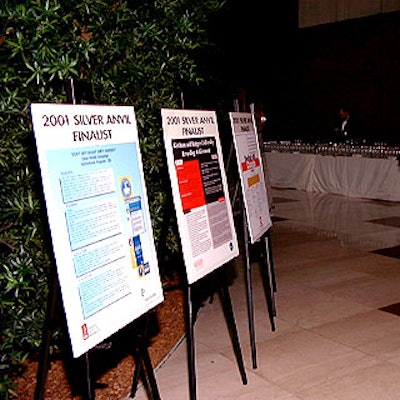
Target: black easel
[[266, 267], [248, 272], [223, 292]]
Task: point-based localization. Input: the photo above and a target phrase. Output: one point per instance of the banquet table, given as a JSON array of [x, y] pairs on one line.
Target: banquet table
[[354, 176]]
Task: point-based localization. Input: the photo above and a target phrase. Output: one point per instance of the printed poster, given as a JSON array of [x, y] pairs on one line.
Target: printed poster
[[99, 218], [251, 173], [199, 190]]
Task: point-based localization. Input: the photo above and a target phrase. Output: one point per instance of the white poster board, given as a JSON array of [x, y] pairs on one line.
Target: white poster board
[[200, 190], [99, 218], [251, 173]]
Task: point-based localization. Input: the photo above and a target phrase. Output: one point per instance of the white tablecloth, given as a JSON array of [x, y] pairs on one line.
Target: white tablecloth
[[370, 178]]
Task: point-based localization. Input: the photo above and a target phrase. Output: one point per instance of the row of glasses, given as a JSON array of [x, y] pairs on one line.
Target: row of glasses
[[378, 150]]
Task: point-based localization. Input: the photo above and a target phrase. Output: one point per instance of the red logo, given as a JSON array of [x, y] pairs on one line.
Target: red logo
[[85, 332]]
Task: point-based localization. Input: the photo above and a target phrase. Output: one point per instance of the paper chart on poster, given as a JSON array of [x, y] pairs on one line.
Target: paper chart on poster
[[98, 214], [200, 190], [251, 173]]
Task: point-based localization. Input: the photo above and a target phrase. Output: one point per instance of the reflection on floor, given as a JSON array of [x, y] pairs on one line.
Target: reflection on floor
[[337, 319]]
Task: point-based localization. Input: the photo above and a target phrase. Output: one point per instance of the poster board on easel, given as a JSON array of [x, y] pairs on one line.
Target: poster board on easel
[[200, 190], [99, 219], [203, 210], [251, 173]]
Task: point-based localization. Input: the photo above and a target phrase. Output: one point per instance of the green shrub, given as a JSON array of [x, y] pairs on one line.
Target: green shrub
[[137, 53]]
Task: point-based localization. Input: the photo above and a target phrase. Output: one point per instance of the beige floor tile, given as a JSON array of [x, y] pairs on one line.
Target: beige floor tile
[[308, 307], [311, 274], [375, 332], [376, 265], [368, 290], [379, 381], [303, 359]]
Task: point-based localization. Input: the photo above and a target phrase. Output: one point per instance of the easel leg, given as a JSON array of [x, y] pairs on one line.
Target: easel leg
[[136, 375], [230, 319], [47, 330], [190, 345], [144, 370], [143, 366], [249, 292], [250, 312], [90, 395], [270, 270], [270, 259], [266, 280], [49, 326], [150, 374]]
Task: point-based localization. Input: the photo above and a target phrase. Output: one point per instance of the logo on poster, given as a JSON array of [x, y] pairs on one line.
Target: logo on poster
[[126, 188], [85, 332]]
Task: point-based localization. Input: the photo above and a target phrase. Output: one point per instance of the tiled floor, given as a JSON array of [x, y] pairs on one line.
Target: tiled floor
[[337, 336]]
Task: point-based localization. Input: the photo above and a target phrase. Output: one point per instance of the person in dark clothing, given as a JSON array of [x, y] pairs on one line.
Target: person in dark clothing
[[347, 128]]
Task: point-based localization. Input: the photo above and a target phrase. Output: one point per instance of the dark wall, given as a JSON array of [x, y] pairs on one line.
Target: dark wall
[[317, 68]]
